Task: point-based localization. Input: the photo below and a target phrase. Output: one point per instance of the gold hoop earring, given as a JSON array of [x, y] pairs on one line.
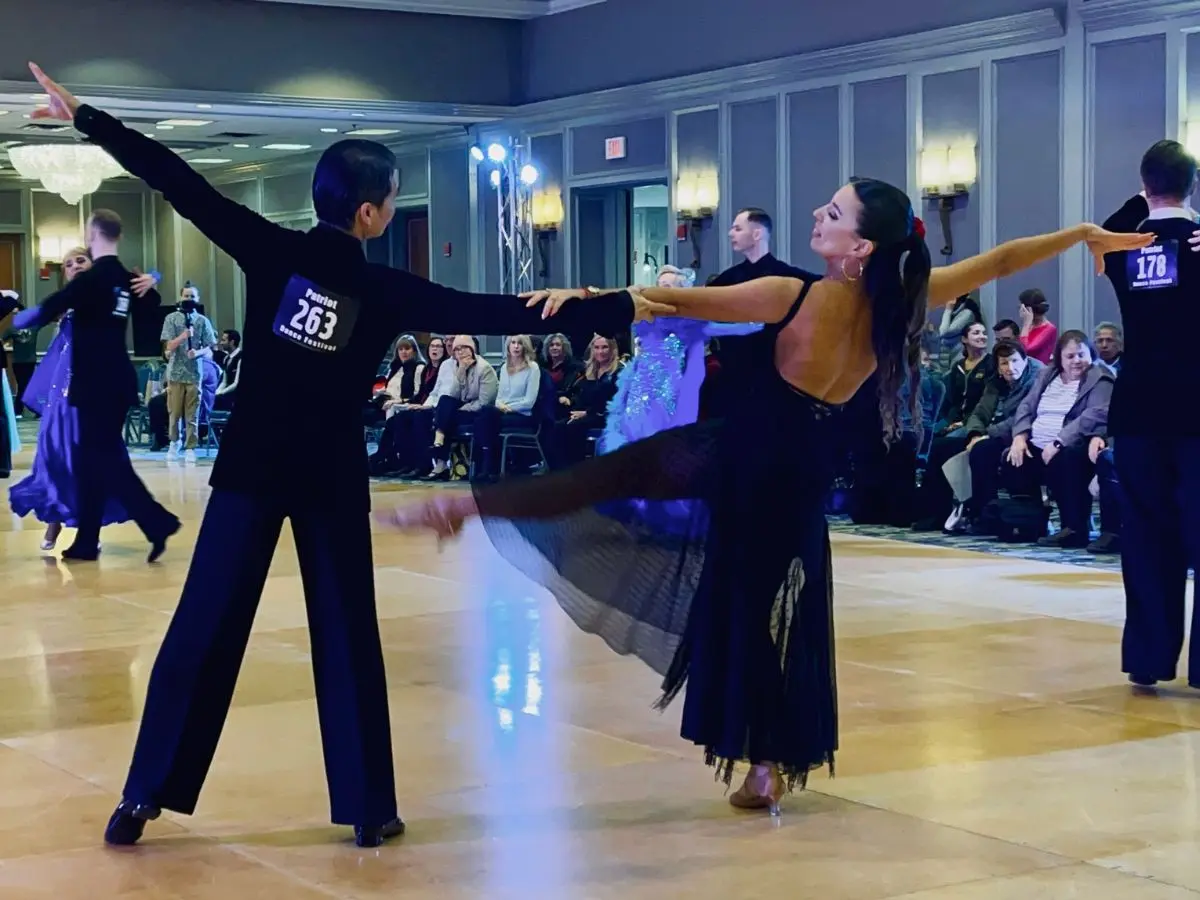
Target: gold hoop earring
[[847, 275]]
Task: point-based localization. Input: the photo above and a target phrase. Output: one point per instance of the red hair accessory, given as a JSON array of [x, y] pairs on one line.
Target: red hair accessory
[[918, 227]]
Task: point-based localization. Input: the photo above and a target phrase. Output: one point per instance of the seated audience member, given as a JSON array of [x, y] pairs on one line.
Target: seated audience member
[[405, 374], [473, 386], [231, 367], [1006, 330], [1109, 540], [1052, 432], [516, 400], [957, 317], [992, 418], [1110, 344], [563, 368], [404, 444], [155, 398], [587, 405], [210, 379], [1038, 334], [965, 381]]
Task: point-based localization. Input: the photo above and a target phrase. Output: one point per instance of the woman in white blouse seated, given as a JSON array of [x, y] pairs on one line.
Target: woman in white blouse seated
[[1066, 409], [516, 402]]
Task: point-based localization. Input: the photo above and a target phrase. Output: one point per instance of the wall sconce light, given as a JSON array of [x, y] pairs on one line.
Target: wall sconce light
[[946, 174], [547, 210], [547, 215], [51, 248], [697, 196]]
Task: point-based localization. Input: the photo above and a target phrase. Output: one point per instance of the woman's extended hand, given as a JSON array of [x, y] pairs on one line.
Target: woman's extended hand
[[444, 514], [1100, 242], [143, 284]]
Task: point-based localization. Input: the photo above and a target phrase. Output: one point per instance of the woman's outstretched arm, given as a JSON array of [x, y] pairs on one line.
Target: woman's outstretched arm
[[762, 300], [950, 282]]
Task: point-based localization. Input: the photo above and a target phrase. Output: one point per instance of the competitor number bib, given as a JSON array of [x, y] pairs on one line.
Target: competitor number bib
[[315, 318], [1153, 267]]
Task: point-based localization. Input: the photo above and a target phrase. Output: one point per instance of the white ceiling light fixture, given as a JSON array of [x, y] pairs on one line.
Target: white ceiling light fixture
[[330, 130], [287, 146], [184, 123], [70, 170], [203, 106], [373, 132], [241, 146], [210, 161], [5, 112]]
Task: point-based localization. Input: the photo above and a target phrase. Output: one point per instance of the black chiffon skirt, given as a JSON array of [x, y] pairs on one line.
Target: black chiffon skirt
[[704, 552]]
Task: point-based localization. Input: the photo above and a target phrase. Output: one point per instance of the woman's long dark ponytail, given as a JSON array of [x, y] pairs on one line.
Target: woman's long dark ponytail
[[896, 279]]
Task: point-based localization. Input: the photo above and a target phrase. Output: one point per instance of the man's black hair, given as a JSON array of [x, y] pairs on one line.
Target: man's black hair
[[1168, 171], [350, 173], [757, 216]]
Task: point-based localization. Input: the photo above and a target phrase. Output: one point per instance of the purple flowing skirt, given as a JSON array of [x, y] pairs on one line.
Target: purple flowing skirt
[[48, 492]]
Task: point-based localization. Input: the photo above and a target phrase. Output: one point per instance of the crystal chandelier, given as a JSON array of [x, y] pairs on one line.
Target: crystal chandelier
[[69, 170]]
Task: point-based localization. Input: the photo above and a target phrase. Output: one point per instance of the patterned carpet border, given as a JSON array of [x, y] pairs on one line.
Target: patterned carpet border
[[1107, 563], [27, 429]]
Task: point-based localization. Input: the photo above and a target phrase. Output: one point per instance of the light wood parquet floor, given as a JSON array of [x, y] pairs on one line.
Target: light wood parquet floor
[[990, 748]]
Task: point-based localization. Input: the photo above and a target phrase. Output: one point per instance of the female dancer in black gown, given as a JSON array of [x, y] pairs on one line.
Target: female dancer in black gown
[[737, 601]]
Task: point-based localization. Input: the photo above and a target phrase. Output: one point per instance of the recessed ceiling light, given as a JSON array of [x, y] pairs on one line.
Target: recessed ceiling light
[[184, 123], [210, 161], [203, 106], [242, 146], [357, 115], [5, 112], [161, 127], [374, 132], [40, 98], [27, 116], [287, 146], [329, 131]]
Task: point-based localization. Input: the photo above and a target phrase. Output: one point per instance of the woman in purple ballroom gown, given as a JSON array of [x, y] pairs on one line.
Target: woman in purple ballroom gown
[[660, 389], [49, 490]]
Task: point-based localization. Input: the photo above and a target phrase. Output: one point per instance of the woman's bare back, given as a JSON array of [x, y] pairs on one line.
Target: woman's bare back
[[826, 349]]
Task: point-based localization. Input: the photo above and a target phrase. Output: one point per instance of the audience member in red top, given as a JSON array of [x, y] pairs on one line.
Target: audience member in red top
[[1038, 334]]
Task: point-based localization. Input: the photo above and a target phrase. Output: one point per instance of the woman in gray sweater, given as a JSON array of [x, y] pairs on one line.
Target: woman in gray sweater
[[473, 387], [1051, 430]]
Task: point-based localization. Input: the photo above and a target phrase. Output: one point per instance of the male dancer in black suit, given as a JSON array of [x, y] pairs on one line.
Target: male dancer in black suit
[[1158, 453], [313, 304], [749, 235], [105, 386]]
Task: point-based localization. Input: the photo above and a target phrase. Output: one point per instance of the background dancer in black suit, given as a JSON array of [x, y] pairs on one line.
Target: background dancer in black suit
[[1157, 452], [313, 302], [102, 298]]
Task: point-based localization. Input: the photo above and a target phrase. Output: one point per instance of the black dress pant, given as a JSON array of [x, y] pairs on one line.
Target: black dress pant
[[450, 419], [192, 682], [489, 423], [567, 442], [404, 444], [105, 471], [1160, 540], [1110, 493], [935, 498], [1068, 477], [156, 411]]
